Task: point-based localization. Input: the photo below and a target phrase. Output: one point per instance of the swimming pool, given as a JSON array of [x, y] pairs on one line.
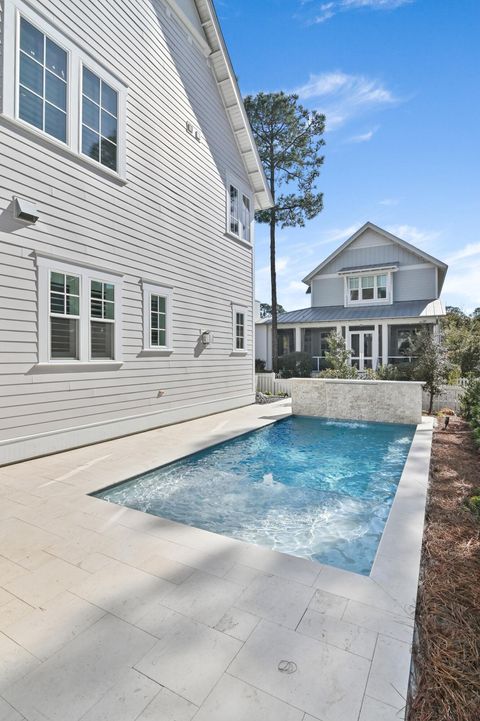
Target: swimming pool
[[315, 488]]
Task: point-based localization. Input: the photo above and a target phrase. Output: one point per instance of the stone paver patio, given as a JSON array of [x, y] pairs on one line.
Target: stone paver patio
[[110, 614]]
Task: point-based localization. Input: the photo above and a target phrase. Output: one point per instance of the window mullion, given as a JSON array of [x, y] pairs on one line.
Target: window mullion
[[84, 340]]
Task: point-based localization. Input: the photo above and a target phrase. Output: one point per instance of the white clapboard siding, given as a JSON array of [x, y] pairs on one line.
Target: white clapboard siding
[[165, 224]]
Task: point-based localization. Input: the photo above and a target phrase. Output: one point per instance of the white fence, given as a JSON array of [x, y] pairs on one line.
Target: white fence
[[448, 398], [267, 383]]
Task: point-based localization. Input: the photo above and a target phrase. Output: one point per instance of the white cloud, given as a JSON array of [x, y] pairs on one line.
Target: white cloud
[[414, 235], [468, 251], [375, 4], [389, 202], [462, 286], [342, 96], [363, 137], [328, 10], [281, 264]]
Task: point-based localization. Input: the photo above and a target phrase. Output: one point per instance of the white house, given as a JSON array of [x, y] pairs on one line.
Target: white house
[[374, 290], [129, 181]]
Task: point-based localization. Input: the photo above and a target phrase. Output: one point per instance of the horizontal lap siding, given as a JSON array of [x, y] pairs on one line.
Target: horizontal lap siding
[[167, 224]]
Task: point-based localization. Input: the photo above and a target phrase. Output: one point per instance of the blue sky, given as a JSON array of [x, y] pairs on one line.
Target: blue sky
[[398, 81]]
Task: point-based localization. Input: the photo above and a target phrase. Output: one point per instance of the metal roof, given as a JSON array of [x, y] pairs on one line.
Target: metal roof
[[373, 266], [334, 313]]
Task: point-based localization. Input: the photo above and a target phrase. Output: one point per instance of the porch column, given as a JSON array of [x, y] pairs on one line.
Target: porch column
[[298, 339], [384, 343]]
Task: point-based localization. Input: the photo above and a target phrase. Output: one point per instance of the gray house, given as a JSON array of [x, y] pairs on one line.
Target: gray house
[[374, 290], [129, 182]]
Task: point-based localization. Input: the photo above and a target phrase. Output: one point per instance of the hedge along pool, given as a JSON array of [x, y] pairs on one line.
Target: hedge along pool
[[315, 488]]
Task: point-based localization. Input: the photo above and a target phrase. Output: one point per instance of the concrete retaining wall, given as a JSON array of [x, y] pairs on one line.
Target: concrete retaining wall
[[383, 401]]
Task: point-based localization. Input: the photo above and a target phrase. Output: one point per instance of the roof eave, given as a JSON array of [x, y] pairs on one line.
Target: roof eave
[[232, 100]]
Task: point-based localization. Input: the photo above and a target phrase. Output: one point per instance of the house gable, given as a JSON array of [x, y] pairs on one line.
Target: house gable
[[371, 245]]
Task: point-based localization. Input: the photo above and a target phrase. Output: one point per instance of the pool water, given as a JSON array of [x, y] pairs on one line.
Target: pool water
[[315, 488]]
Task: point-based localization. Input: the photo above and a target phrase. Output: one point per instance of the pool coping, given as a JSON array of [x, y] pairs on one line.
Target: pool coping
[[382, 603], [391, 586]]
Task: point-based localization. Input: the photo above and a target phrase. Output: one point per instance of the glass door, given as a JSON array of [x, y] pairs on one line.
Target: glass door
[[361, 345]]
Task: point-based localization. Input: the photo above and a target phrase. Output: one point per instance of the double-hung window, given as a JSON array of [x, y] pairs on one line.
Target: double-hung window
[[42, 82], [239, 213], [102, 320], [52, 87], [157, 317], [239, 325], [368, 288], [99, 119], [64, 312], [79, 311]]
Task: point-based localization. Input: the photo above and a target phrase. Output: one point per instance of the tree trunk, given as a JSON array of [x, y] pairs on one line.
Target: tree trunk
[[430, 408], [273, 277]]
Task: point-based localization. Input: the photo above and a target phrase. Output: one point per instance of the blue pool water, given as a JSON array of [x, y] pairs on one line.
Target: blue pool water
[[315, 488]]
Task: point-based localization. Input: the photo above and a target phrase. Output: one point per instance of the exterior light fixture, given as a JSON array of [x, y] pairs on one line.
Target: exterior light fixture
[[207, 337]]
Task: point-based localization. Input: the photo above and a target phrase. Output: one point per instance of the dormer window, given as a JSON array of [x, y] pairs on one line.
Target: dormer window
[[364, 289]]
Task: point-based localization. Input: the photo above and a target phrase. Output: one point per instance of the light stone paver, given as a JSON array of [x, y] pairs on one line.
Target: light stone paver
[[12, 611], [373, 710], [67, 557], [276, 599], [203, 597], [235, 700], [7, 713], [125, 700], [338, 633], [388, 681], [15, 662], [324, 681], [167, 706], [189, 659], [328, 603], [123, 590], [46, 582], [393, 625], [44, 631], [69, 683], [237, 623]]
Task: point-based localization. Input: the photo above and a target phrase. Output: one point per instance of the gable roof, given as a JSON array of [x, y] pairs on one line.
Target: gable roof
[[232, 99], [393, 238]]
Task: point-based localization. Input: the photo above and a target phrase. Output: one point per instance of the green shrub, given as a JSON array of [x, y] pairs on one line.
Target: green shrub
[[259, 365], [473, 502], [342, 372], [470, 402], [295, 365]]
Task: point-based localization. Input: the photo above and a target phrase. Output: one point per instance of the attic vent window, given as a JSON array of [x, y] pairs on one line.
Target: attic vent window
[[25, 210]]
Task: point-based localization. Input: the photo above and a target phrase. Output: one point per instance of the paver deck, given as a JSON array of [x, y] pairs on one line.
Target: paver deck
[[107, 613]]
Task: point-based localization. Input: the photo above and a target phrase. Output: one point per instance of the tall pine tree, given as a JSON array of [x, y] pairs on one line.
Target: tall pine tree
[[289, 140]]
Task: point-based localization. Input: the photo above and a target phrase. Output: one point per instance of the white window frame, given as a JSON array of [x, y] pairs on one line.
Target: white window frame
[[242, 191], [47, 264], [244, 310], [13, 11], [374, 301], [150, 288]]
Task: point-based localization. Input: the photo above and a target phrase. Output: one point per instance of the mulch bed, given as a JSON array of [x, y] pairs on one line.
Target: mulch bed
[[446, 655]]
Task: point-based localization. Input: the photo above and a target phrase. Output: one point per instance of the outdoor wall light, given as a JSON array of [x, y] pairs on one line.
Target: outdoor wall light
[[207, 337]]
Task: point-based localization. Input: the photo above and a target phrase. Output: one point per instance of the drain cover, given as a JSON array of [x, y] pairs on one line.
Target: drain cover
[[287, 666]]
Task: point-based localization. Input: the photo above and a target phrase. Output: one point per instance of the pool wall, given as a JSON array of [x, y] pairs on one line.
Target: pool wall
[[358, 400]]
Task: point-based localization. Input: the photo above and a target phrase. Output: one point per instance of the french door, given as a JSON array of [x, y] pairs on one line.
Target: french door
[[361, 345]]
